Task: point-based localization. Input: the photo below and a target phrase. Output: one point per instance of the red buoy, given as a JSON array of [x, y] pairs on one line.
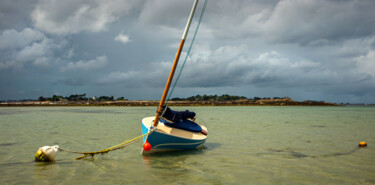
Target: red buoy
[[147, 146]]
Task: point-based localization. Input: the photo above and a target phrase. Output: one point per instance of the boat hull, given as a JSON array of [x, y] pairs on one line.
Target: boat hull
[[165, 138]]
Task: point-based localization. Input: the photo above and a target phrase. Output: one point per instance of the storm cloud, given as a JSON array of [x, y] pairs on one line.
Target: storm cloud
[[319, 50]]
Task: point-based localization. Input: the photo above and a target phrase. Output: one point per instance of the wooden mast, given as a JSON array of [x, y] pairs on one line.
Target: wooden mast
[[170, 78]]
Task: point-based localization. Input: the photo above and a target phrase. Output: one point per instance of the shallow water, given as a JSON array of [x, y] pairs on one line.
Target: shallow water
[[246, 145]]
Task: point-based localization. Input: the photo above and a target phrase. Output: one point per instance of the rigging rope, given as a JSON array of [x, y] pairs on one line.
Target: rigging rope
[[121, 145], [187, 54]]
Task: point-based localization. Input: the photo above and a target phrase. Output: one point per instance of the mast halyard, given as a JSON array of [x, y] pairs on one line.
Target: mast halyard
[[170, 78]]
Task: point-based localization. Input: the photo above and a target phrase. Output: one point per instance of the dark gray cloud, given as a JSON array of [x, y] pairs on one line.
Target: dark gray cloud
[[72, 82], [373, 45], [66, 17], [15, 14], [298, 22], [26, 46], [164, 12], [321, 50], [98, 62]]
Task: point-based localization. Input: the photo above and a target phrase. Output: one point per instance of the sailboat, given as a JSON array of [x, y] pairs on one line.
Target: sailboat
[[173, 130]]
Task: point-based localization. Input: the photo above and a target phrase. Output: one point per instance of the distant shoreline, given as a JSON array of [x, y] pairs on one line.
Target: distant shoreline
[[263, 102]]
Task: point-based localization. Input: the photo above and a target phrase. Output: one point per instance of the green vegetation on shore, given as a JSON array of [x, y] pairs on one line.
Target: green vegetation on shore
[[79, 97], [224, 97], [198, 100]]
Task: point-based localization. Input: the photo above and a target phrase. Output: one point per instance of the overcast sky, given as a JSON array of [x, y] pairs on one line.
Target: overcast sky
[[304, 49]]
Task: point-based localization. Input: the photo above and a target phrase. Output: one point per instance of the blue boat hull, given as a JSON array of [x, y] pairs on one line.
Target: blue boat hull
[[166, 138]]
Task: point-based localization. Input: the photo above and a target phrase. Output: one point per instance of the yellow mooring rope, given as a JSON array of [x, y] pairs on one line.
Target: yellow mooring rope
[[121, 145]]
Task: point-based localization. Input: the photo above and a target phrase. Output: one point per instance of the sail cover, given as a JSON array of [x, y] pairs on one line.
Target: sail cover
[[178, 116], [184, 125], [180, 119]]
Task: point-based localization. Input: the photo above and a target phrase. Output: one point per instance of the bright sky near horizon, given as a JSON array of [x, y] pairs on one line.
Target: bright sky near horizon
[[304, 49]]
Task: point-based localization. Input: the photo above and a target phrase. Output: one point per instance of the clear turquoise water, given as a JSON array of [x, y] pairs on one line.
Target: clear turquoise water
[[246, 145]]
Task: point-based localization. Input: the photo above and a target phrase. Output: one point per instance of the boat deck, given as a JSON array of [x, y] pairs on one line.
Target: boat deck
[[147, 122]]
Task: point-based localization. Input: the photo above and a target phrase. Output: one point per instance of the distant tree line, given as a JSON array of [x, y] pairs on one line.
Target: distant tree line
[[224, 97], [82, 97], [79, 97]]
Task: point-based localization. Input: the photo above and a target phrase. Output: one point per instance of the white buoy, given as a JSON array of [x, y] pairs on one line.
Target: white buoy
[[46, 153]]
